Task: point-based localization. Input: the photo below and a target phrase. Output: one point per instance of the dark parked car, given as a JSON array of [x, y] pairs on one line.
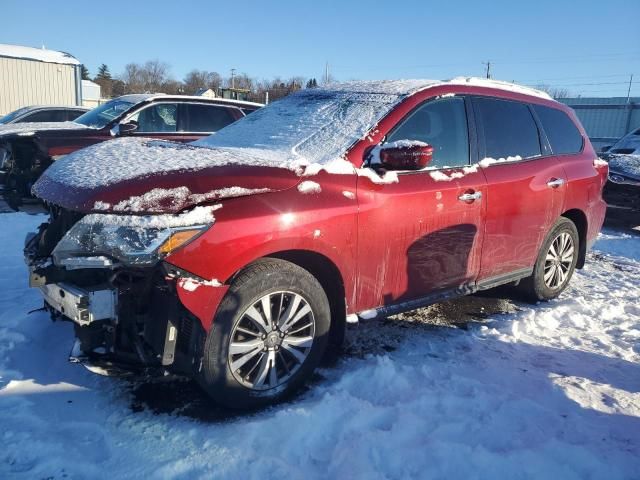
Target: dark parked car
[[43, 113], [27, 149], [236, 260], [623, 189]]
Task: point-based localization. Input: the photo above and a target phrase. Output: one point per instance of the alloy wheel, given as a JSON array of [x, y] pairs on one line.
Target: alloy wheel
[[558, 261], [271, 340]]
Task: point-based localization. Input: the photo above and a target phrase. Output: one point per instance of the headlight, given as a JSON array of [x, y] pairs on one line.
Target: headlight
[[132, 240]]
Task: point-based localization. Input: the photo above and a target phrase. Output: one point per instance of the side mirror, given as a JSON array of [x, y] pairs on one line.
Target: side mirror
[[127, 128], [405, 155]]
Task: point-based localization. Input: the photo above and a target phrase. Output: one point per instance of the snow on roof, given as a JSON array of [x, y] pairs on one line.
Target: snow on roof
[[37, 54], [499, 85], [408, 87], [139, 97]]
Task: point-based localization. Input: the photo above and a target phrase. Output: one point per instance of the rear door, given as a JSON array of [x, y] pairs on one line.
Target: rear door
[[421, 235], [525, 194]]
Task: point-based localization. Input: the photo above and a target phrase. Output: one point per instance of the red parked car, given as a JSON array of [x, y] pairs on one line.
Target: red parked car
[[237, 259], [27, 149]]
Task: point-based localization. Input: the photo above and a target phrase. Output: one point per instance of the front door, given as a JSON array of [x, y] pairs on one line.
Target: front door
[[424, 233]]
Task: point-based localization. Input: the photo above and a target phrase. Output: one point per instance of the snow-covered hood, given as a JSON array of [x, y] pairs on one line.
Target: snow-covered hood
[[154, 176], [627, 165], [32, 128]]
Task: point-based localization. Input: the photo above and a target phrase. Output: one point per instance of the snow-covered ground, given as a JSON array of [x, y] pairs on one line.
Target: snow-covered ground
[[549, 391]]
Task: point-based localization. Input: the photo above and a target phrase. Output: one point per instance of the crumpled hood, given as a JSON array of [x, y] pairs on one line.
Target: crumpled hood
[[27, 129], [153, 176]]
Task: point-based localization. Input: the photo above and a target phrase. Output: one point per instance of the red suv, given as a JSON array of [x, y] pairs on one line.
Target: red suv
[[238, 259]]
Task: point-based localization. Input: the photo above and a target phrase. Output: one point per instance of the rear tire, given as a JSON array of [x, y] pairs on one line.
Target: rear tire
[[269, 334], [555, 264]]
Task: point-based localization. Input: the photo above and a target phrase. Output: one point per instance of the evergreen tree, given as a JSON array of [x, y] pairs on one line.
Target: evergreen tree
[[103, 72], [312, 83], [84, 71]]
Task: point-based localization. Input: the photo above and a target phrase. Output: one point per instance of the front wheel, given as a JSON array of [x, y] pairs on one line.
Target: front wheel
[[555, 264], [268, 336]]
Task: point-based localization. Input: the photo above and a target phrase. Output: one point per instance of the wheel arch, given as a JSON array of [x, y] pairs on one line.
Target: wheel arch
[[579, 219], [330, 278]]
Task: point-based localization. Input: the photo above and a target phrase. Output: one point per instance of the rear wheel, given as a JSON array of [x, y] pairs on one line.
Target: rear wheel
[[555, 264], [268, 336]]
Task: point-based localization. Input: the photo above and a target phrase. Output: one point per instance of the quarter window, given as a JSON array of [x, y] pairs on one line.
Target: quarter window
[[509, 128], [443, 125], [563, 135]]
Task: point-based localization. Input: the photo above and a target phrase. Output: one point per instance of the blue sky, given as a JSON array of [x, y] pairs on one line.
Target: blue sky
[[589, 47]]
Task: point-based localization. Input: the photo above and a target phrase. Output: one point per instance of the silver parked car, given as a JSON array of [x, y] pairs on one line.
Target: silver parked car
[[44, 113]]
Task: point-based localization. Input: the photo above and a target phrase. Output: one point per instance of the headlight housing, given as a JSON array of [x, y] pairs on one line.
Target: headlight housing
[[129, 239]]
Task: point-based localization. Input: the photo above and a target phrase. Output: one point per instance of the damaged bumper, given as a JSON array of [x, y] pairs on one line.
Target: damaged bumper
[[125, 319]]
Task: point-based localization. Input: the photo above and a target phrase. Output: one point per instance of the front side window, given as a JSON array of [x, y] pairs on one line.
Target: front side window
[[563, 135], [509, 128], [205, 118], [443, 125], [157, 118]]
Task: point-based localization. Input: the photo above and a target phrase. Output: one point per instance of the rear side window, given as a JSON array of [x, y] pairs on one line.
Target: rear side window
[[443, 125], [46, 116], [509, 128], [562, 133], [205, 118], [73, 114]]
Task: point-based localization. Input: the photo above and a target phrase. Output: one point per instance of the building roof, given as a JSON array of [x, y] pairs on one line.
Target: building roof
[[37, 54]]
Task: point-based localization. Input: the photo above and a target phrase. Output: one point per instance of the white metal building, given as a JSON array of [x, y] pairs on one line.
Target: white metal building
[[33, 76], [90, 94]]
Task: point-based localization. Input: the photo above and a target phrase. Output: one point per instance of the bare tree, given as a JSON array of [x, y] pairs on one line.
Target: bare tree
[[196, 79], [151, 77], [554, 92]]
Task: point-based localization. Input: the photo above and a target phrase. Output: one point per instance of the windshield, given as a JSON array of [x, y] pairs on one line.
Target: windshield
[[100, 116], [13, 115], [313, 124]]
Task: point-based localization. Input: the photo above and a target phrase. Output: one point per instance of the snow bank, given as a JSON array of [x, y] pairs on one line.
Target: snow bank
[[39, 54], [547, 391]]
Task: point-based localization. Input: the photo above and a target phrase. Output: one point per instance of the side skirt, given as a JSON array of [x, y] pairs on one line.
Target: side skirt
[[448, 294]]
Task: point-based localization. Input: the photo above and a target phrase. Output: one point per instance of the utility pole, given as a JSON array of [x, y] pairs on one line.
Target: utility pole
[[233, 78], [629, 89], [326, 73], [488, 64]]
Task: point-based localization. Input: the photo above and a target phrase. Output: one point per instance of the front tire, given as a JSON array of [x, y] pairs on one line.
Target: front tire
[[555, 264], [268, 336]]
